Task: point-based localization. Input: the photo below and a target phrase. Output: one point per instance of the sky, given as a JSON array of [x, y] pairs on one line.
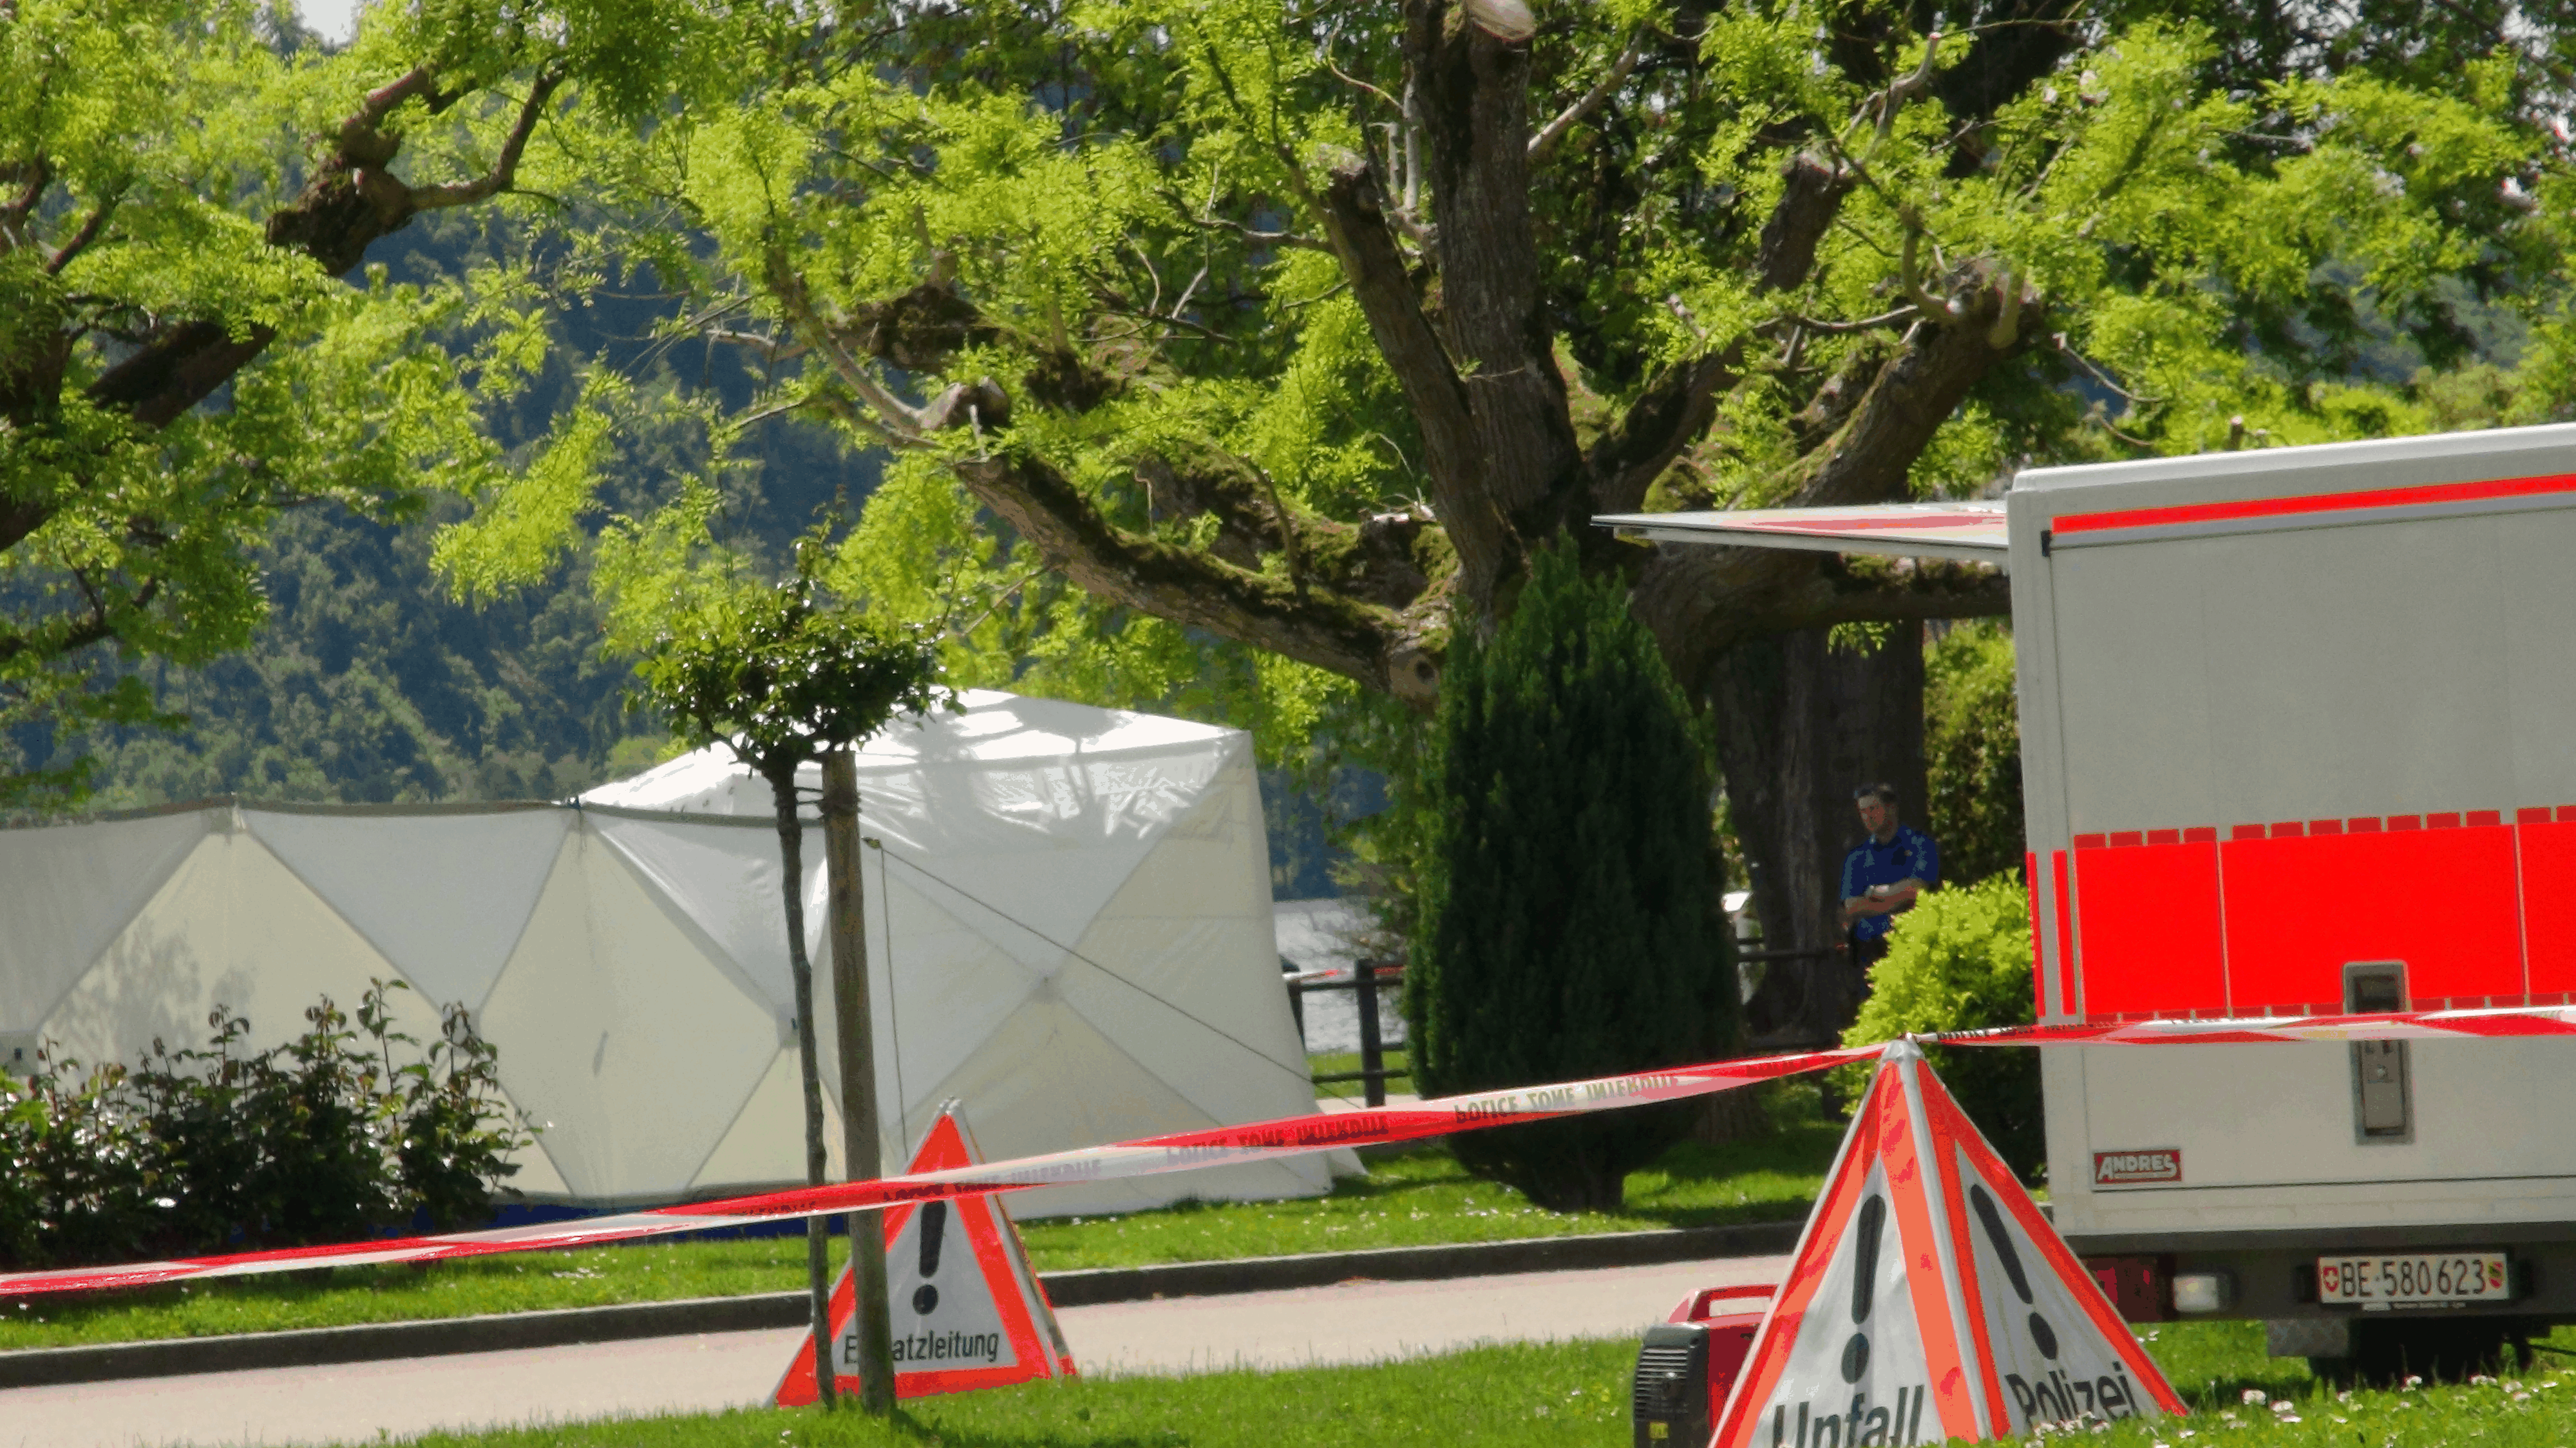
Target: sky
[[334, 18]]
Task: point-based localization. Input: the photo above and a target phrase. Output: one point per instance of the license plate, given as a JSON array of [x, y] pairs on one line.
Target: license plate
[[2407, 1278]]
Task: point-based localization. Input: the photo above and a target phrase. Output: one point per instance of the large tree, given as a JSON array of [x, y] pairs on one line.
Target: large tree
[[188, 344], [1286, 331]]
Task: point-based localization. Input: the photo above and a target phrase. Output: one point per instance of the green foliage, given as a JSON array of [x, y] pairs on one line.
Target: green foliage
[[191, 345], [2206, 254], [133, 503], [1972, 751], [1960, 961], [1570, 924], [780, 674], [1068, 214], [1118, 205], [2329, 226], [368, 683], [323, 1139], [1384, 850]]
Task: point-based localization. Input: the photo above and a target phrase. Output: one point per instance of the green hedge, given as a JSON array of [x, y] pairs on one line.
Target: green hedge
[[1570, 921], [334, 1135], [1960, 960]]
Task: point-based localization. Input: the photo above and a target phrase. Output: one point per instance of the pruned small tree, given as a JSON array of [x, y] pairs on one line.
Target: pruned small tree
[[1960, 960], [1570, 903], [783, 676]]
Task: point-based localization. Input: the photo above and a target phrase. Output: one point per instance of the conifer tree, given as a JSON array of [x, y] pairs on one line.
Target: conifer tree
[[1570, 905]]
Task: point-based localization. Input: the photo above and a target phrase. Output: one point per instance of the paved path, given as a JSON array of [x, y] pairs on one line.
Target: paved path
[[1353, 1322]]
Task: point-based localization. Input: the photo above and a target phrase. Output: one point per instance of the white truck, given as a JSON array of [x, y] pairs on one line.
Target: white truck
[[2298, 737]]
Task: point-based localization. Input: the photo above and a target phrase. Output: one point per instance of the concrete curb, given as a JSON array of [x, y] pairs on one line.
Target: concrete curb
[[374, 1342], [378, 1341], [1417, 1264]]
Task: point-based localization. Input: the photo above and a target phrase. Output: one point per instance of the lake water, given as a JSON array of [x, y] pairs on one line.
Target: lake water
[[1316, 935]]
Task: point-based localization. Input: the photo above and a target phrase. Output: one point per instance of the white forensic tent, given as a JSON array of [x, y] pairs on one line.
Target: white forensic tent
[[1068, 924]]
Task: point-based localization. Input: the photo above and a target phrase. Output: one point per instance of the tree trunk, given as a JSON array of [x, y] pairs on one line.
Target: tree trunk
[[853, 1022], [818, 1239], [1727, 1117], [1800, 724]]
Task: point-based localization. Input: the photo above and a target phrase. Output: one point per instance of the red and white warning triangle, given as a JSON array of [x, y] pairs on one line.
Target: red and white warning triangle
[[968, 1313], [1930, 1300]]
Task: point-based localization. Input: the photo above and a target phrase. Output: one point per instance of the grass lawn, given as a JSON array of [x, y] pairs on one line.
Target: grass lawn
[[1328, 1063], [1407, 1198], [520, 1282], [1540, 1396], [1574, 1395], [1422, 1196], [2239, 1397]]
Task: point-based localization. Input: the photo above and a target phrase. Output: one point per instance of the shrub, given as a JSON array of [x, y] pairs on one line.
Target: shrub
[[1960, 960], [1569, 910], [1972, 751], [326, 1138]]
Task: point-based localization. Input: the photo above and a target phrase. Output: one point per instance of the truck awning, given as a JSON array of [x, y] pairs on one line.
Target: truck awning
[[1972, 532]]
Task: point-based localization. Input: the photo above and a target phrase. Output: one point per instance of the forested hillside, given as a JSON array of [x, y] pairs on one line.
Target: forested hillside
[[369, 685], [372, 683]]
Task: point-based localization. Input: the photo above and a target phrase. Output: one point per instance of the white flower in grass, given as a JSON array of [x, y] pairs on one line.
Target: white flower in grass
[[2257, 1396]]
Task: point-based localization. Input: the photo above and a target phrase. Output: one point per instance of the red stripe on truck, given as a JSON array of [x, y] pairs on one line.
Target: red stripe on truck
[[2299, 909], [2208, 920], [2066, 973], [2151, 928], [2318, 503], [2548, 862]]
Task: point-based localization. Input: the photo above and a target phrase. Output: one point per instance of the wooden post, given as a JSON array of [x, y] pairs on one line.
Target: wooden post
[[1372, 1042], [856, 1033], [800, 970]]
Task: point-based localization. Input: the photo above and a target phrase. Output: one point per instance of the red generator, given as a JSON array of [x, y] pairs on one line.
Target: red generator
[[1690, 1361]]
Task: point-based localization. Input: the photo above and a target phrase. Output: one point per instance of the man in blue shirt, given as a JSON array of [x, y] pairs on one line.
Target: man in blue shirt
[[1883, 873]]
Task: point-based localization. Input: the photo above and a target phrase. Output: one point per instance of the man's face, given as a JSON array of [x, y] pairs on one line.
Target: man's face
[[1875, 816]]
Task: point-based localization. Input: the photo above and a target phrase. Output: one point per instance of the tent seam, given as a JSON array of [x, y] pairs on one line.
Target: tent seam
[[1073, 954], [698, 934], [740, 1109], [141, 904], [384, 953]]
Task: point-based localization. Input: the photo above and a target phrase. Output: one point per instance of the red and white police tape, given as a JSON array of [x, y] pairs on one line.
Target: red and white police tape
[[2504, 1021], [1228, 1145], [1181, 1151]]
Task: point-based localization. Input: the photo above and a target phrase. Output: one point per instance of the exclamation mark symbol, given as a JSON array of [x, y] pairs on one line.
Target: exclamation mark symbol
[[934, 1229], [2041, 1335], [1865, 1230]]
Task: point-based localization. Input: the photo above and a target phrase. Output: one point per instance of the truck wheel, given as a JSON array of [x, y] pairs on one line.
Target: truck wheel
[[2385, 1353]]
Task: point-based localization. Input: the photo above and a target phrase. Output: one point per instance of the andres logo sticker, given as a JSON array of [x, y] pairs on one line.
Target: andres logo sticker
[[2130, 1168]]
